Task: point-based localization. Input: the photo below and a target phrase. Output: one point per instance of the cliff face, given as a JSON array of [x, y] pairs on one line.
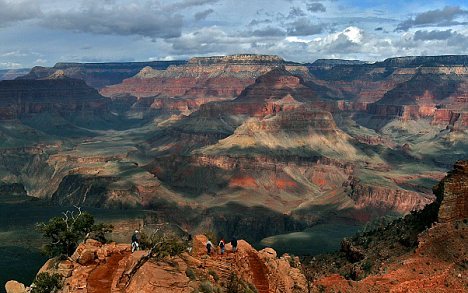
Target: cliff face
[[424, 251], [98, 75], [201, 79], [20, 98], [9, 74], [269, 141], [407, 88], [452, 193]]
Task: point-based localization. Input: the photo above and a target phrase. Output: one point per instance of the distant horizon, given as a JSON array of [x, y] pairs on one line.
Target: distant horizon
[[286, 60], [42, 33]]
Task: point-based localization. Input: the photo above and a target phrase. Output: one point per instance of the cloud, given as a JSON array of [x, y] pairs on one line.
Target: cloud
[[303, 27], [202, 14], [137, 18], [188, 4], [203, 41], [14, 11], [296, 12], [433, 35], [10, 65], [268, 32], [254, 22], [316, 7], [445, 16]]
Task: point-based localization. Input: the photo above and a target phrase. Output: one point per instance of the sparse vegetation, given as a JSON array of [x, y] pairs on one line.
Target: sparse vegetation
[[208, 287], [190, 273], [64, 233], [47, 283], [214, 275], [162, 244], [236, 285]]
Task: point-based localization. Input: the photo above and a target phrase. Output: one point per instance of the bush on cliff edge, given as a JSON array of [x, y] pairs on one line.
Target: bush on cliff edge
[[64, 233]]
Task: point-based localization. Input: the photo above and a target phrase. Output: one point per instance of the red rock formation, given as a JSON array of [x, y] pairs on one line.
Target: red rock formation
[[437, 264], [201, 79], [98, 75], [24, 97], [95, 267], [452, 192], [386, 199]]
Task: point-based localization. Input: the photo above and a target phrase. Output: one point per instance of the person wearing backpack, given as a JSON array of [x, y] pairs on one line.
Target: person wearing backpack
[[234, 244], [136, 237], [221, 246], [209, 245]]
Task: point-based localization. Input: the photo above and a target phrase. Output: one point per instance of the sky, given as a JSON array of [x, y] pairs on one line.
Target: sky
[[44, 32]]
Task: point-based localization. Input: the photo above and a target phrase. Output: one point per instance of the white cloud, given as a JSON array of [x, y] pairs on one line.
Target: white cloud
[[10, 65]]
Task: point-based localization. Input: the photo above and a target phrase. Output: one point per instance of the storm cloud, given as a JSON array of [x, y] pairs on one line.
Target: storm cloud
[[316, 7], [138, 18], [444, 16], [14, 11]]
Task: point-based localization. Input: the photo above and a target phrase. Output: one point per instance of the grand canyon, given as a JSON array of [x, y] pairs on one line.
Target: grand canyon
[[293, 156]]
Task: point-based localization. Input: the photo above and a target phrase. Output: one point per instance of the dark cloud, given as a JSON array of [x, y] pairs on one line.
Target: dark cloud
[[138, 18], [187, 4], [303, 27], [269, 32], [259, 21], [11, 12], [316, 7], [202, 14], [296, 12], [445, 16], [433, 35]]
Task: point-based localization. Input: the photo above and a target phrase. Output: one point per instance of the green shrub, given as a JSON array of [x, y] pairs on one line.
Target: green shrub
[[47, 283], [190, 273], [207, 287], [64, 233], [367, 266], [236, 285], [214, 275], [163, 244]]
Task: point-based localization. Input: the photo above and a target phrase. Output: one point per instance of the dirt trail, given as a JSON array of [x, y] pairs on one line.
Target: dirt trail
[[100, 279], [259, 271]]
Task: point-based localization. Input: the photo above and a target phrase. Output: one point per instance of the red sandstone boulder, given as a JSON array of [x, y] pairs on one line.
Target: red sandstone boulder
[[15, 287]]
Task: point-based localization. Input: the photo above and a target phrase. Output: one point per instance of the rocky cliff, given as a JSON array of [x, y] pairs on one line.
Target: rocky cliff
[[201, 79], [423, 252], [95, 267], [98, 75], [20, 98], [407, 88], [9, 74]]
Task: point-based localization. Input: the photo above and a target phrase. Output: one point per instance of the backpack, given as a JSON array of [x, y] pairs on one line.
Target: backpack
[[208, 245], [221, 243]]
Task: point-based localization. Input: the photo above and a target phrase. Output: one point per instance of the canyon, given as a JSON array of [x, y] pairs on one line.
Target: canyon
[[424, 251], [246, 145]]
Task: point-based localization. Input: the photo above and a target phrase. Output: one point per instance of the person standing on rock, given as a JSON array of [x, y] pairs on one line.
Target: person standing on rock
[[221, 246], [189, 243], [136, 237], [234, 244], [209, 245]]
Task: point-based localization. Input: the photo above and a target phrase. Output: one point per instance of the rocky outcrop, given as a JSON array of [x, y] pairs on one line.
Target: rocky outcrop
[[95, 267], [98, 75], [423, 252], [386, 199], [452, 193], [15, 287]]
